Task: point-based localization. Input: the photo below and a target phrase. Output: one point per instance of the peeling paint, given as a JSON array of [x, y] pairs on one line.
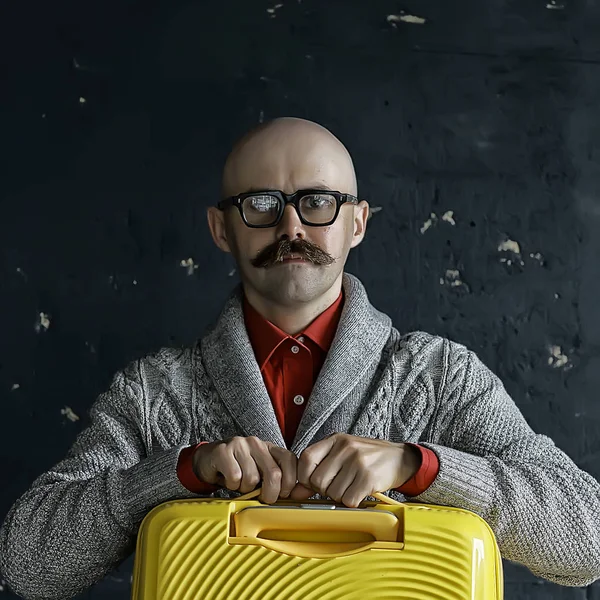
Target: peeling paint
[[511, 246], [452, 278], [448, 217], [537, 256], [557, 359], [15, 386], [428, 223], [393, 19], [272, 10], [44, 323], [67, 411], [190, 264]]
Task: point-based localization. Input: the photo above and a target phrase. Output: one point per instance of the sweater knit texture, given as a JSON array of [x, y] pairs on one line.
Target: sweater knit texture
[[80, 519]]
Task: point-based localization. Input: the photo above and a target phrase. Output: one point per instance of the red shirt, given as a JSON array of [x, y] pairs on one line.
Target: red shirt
[[285, 361]]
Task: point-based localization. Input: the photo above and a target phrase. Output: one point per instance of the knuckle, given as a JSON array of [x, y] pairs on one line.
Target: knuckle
[[273, 474], [253, 480], [316, 482]]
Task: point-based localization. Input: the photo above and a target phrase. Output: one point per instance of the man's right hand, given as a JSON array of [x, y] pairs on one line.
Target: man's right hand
[[241, 463]]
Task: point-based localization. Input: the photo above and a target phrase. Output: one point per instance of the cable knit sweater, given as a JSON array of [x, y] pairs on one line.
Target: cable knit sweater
[[80, 519]]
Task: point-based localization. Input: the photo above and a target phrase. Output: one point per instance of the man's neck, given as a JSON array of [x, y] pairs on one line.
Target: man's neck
[[293, 319]]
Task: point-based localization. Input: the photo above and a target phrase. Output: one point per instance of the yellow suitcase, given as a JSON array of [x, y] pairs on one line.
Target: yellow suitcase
[[241, 549]]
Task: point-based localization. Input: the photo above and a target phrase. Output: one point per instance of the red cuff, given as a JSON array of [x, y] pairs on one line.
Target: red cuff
[[186, 475], [425, 476]]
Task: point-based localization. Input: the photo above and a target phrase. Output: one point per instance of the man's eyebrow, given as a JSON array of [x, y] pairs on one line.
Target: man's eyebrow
[[314, 186]]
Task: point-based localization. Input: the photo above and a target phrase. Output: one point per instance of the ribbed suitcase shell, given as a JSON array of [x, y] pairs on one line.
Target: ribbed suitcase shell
[[207, 549]]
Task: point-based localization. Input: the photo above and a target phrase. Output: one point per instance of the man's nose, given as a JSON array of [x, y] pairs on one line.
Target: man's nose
[[290, 223]]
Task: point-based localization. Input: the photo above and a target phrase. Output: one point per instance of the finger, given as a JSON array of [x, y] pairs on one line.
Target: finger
[[311, 458], [300, 493], [250, 478], [288, 463], [359, 489], [341, 482], [270, 472], [226, 467]]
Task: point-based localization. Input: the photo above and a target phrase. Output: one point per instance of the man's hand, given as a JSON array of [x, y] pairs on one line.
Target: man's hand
[[241, 463], [348, 468]]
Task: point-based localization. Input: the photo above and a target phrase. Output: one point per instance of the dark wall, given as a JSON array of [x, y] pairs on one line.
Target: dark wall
[[115, 119]]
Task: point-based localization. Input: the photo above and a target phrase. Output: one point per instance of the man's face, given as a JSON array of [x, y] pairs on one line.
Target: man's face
[[289, 158]]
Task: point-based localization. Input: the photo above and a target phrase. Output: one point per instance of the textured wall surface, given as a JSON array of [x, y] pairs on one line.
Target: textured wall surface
[[475, 131]]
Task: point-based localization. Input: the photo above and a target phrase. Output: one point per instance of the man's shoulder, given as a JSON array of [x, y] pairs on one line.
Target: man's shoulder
[[162, 366], [427, 351]]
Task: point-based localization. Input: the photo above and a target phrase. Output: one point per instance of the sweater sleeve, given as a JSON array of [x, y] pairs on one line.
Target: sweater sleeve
[[80, 519], [543, 509]]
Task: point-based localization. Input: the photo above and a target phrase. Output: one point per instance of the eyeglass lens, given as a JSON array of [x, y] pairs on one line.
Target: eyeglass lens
[[263, 209]]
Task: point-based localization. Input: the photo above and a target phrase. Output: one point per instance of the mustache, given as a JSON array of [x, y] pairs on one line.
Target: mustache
[[279, 250]]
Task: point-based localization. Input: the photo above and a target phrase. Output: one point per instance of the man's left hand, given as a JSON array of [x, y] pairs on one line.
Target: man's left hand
[[348, 468]]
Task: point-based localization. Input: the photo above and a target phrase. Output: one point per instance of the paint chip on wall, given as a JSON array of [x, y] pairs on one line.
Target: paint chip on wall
[[44, 323], [404, 18], [448, 216], [272, 10], [67, 411], [511, 246], [428, 223], [190, 264], [557, 359], [537, 256], [452, 278]]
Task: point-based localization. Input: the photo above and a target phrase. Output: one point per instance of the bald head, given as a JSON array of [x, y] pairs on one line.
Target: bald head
[[288, 154]]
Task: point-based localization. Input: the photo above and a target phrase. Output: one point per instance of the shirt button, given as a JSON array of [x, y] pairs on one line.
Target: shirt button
[[298, 400], [295, 349], [301, 339]]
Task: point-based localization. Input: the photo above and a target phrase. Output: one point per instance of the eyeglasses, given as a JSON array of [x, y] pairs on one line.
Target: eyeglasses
[[316, 208]]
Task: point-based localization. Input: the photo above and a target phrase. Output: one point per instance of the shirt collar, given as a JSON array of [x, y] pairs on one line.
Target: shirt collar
[[265, 337]]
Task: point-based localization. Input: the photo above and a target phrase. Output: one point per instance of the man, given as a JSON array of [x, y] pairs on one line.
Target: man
[[302, 387]]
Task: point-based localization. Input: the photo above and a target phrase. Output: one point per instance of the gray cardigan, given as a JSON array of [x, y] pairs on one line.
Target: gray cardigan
[[79, 519]]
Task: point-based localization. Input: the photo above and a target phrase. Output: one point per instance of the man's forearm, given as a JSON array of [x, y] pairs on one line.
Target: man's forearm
[[544, 516], [61, 537]]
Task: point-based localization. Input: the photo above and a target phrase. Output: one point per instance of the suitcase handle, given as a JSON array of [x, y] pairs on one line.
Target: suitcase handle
[[381, 497], [290, 524]]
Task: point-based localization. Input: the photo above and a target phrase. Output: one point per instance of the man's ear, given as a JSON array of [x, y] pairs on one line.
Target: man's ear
[[217, 223], [361, 216]]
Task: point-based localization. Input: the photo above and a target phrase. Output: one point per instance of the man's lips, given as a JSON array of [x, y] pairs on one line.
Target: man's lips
[[294, 258]]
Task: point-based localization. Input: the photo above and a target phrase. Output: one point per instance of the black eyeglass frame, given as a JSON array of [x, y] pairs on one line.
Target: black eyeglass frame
[[284, 200]]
